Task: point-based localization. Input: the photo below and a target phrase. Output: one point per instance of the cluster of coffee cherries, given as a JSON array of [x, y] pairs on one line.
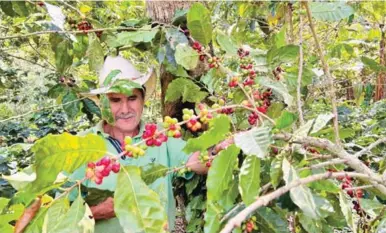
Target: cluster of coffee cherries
[[357, 193], [182, 170], [214, 62], [253, 116], [249, 225], [174, 130], [193, 124], [234, 82], [205, 159], [152, 136], [200, 49], [246, 66], [220, 103], [84, 26], [101, 169], [133, 151], [277, 73], [205, 115]]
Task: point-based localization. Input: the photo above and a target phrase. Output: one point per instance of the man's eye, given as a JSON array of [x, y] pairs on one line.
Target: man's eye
[[132, 97]]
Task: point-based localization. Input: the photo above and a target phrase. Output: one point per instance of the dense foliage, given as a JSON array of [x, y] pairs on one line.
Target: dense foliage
[[297, 87]]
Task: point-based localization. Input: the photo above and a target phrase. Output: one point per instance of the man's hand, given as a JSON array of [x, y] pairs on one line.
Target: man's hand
[[104, 210]]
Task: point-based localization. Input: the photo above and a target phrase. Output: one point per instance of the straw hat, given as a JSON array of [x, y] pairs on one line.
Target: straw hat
[[126, 72]]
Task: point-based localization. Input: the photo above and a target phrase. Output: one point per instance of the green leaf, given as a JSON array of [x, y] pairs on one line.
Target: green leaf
[[175, 37], [178, 71], [21, 179], [277, 87], [226, 44], [304, 130], [346, 208], [221, 172], [107, 115], [321, 121], [284, 54], [20, 8], [76, 219], [185, 88], [136, 205], [186, 56], [309, 224], [324, 185], [63, 59], [110, 77], [275, 171], [229, 196], [324, 206], [199, 23], [151, 172], [371, 63], [57, 90], [212, 80], [95, 53], [274, 111], [65, 152], [255, 141], [71, 104], [55, 214], [7, 215], [249, 179], [285, 120], [330, 11], [301, 195], [91, 107], [36, 224], [144, 35], [123, 86], [6, 7], [382, 226], [218, 128], [269, 221], [212, 217]]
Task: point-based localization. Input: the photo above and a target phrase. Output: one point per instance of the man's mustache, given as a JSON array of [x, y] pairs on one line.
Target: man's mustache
[[126, 116]]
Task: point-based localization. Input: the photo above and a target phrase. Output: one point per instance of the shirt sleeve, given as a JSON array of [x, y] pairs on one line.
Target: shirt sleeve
[[176, 154]]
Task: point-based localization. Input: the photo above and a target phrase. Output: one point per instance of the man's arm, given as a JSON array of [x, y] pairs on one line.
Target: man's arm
[[104, 210]]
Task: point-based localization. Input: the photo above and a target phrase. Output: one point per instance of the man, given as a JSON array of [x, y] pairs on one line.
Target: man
[[125, 104]]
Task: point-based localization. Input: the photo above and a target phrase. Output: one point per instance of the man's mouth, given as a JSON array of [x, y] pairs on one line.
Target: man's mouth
[[127, 117]]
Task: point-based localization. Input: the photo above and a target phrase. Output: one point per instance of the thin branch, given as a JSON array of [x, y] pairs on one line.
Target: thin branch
[[40, 109], [326, 70], [70, 188], [46, 60], [291, 26], [21, 58], [299, 84], [265, 200], [73, 8], [72, 32], [360, 187], [324, 164], [370, 147], [337, 150]]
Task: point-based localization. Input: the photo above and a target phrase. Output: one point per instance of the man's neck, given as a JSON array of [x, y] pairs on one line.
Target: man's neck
[[118, 134]]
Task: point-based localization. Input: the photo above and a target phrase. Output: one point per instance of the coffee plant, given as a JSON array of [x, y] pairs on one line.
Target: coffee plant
[[283, 100]]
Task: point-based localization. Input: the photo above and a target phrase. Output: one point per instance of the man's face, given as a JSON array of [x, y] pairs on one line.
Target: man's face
[[127, 110]]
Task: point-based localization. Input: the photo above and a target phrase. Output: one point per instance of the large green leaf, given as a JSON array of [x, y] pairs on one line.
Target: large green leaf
[[220, 173], [65, 152], [300, 195], [95, 53], [285, 120], [278, 88], [175, 37], [226, 44], [218, 128], [284, 54], [186, 56], [330, 11], [269, 221], [55, 215], [91, 107], [20, 8], [309, 224], [275, 172], [21, 179], [372, 64], [36, 224], [107, 115], [76, 219], [321, 121], [382, 226], [212, 217], [123, 86], [71, 104], [199, 23], [255, 141], [138, 208], [185, 88], [6, 7], [63, 59], [7, 215], [127, 38], [57, 90], [249, 179], [346, 208], [151, 172]]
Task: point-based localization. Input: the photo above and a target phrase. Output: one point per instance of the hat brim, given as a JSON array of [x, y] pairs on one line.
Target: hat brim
[[149, 81]]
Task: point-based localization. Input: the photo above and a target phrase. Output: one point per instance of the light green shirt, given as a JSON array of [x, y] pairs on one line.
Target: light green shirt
[[169, 154]]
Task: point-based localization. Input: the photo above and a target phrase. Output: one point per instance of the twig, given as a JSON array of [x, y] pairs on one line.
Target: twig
[[360, 187], [40, 109], [75, 9], [370, 147], [72, 32], [337, 150], [299, 97], [319, 156], [250, 100], [46, 60], [71, 188], [21, 58], [324, 164], [326, 72], [291, 26], [264, 200]]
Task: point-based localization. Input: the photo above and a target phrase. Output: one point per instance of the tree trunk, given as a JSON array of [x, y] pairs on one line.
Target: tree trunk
[[163, 12], [380, 91]]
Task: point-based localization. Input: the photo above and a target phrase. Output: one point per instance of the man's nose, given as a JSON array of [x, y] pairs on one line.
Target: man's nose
[[125, 107]]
